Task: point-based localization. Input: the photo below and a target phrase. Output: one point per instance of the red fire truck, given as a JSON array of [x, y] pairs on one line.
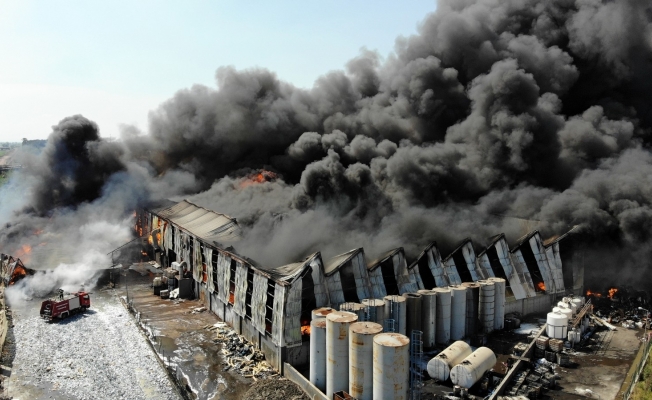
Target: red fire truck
[[62, 307]]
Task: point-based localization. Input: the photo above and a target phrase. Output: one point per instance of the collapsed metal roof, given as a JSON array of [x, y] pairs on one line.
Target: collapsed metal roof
[[334, 263], [289, 272], [208, 225]]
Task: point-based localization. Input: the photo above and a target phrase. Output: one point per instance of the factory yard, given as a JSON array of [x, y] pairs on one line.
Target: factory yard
[[100, 354]]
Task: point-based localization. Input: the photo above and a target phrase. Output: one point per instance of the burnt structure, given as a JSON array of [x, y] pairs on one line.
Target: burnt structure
[[271, 307]]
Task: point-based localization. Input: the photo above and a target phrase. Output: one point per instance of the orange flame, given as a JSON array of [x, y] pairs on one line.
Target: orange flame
[[256, 178], [612, 292], [541, 286], [305, 330], [18, 274], [595, 294]]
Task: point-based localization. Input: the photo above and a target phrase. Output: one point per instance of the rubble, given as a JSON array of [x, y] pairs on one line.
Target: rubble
[[275, 389], [240, 355]]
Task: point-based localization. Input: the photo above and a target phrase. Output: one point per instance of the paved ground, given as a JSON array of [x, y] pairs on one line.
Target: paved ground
[[100, 354]]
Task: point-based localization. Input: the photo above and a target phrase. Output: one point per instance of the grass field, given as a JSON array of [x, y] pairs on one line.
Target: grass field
[[643, 389], [4, 177]]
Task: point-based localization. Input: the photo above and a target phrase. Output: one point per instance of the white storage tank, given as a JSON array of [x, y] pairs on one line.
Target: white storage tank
[[356, 308], [557, 325], [458, 311], [395, 308], [413, 313], [486, 308], [564, 310], [361, 359], [499, 302], [439, 367], [428, 317], [472, 304], [566, 304], [391, 366], [578, 303], [376, 309], [337, 350], [321, 312], [443, 328], [318, 353], [473, 367]]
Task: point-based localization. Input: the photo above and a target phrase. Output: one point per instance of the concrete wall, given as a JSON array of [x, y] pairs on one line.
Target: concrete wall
[[530, 305], [305, 385]]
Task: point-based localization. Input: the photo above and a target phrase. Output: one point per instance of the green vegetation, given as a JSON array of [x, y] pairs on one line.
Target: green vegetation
[[4, 177], [643, 390]]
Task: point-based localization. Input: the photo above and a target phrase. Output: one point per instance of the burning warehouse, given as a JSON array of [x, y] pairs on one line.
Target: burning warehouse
[[272, 306]]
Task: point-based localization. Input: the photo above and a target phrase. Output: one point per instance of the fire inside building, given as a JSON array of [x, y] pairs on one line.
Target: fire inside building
[[273, 308]]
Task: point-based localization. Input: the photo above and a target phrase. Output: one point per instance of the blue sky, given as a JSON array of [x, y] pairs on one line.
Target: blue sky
[[114, 61]]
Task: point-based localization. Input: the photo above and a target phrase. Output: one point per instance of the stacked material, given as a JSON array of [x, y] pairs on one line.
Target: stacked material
[[542, 342], [240, 355], [556, 345]]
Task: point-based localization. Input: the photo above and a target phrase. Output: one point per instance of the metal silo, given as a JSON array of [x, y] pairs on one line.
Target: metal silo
[[413, 312], [337, 350], [428, 317], [376, 309], [472, 304], [318, 353], [499, 302], [361, 359], [458, 311], [443, 332], [391, 363], [487, 298], [395, 308]]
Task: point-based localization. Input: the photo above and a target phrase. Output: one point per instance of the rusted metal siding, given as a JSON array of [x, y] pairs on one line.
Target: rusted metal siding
[[292, 318], [378, 290], [259, 302], [223, 272], [240, 294], [278, 315]]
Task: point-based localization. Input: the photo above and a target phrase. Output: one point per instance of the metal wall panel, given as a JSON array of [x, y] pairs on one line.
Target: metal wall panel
[[197, 269], [292, 319], [554, 259], [437, 267], [208, 256], [319, 281], [259, 302], [223, 272], [469, 257], [402, 275], [519, 289], [451, 272], [278, 315], [335, 292], [523, 273], [378, 290], [542, 262], [415, 277], [240, 294], [362, 284]]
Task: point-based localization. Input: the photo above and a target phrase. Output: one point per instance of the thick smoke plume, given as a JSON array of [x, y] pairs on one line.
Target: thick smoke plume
[[496, 117]]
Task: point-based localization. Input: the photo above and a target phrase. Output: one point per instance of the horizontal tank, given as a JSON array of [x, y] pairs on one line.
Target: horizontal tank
[[439, 367], [473, 367]]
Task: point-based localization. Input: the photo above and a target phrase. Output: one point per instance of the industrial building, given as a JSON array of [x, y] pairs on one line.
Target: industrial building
[[271, 307]]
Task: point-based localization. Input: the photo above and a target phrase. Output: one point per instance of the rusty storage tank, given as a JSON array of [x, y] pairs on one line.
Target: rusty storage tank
[[439, 367], [443, 332], [337, 350], [361, 359], [318, 353], [486, 309], [473, 367], [458, 311], [391, 366], [472, 304], [376, 309], [428, 317], [395, 308], [321, 312], [413, 312], [499, 302], [356, 308]]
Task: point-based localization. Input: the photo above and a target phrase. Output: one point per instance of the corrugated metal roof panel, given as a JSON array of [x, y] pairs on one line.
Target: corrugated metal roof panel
[[334, 263]]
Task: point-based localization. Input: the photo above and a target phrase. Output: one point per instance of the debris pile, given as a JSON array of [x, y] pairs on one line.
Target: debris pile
[[533, 382], [275, 389], [240, 355]]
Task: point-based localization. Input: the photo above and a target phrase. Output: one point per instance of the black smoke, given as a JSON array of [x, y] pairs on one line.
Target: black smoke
[[496, 117]]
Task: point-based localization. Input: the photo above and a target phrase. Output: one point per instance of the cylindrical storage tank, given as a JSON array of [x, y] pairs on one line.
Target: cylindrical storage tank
[[472, 303], [318, 353], [361, 359], [557, 325], [321, 312], [337, 350], [578, 303], [439, 367], [443, 328], [395, 308], [486, 308], [356, 308], [566, 311], [428, 317], [499, 302], [458, 311], [413, 313], [376, 308], [566, 304], [473, 367], [391, 365]]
